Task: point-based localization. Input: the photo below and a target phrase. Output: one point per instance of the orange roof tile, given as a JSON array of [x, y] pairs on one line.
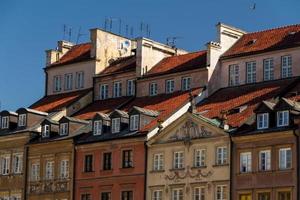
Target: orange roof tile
[[264, 41], [251, 95], [126, 64], [56, 102], [173, 64], [77, 53]]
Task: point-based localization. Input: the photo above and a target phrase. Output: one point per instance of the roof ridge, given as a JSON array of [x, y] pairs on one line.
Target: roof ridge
[[274, 28]]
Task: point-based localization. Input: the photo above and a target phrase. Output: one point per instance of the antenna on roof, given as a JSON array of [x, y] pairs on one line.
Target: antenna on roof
[[131, 32], [65, 31], [253, 7], [120, 26], [171, 41], [70, 34], [79, 35]]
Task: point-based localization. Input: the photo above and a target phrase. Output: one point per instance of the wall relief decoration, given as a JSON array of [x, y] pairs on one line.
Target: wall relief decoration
[[178, 175]]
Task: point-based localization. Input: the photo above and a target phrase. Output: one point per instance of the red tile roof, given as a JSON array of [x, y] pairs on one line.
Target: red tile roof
[[173, 64], [165, 104], [103, 106], [56, 102], [77, 53], [264, 41], [227, 99], [126, 64]]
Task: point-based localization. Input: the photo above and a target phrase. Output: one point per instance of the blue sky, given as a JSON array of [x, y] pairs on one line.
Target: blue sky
[[29, 27]]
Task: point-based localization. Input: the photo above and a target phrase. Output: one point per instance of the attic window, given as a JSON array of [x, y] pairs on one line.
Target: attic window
[[4, 122], [115, 125], [251, 41], [45, 131], [292, 33], [134, 122], [97, 129], [63, 129], [238, 109], [22, 120], [262, 120]]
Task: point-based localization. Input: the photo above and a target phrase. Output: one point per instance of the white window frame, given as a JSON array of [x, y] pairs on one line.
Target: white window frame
[[63, 129], [17, 163], [158, 162], [286, 66], [79, 82], [117, 92], [199, 193], [178, 159], [284, 162], [49, 170], [134, 122], [177, 194], [22, 120], [5, 122], [245, 162], [186, 83], [64, 169], [265, 160], [268, 69], [68, 81], [5, 164], [97, 127], [35, 172], [115, 125], [153, 87], [200, 157], [284, 121], [221, 155], [103, 91], [221, 192], [130, 88], [170, 86], [57, 83], [157, 195], [251, 72], [45, 130], [262, 120], [234, 75]]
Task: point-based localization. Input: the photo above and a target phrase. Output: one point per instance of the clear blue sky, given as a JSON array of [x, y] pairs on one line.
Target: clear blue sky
[[29, 27]]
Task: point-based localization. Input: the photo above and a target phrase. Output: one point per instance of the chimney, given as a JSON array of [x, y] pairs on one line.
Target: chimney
[[224, 120], [53, 56], [64, 46], [192, 109]]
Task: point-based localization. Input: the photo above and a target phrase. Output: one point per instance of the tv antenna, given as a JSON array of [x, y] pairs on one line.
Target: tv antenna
[[108, 24], [145, 29], [79, 35], [171, 41]]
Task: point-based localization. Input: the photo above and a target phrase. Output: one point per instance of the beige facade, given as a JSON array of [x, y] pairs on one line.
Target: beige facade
[[188, 159]]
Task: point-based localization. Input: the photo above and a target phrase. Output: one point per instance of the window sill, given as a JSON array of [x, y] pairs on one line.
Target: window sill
[[157, 171], [106, 170], [90, 172], [199, 167], [221, 165], [177, 169]]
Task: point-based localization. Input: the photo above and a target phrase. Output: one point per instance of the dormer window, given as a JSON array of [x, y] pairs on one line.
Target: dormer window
[[97, 127], [115, 125], [45, 130], [262, 120], [153, 89], [22, 120], [134, 122], [282, 118], [63, 129], [5, 122]]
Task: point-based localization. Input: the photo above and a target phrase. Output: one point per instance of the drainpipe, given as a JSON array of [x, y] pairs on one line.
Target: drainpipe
[[231, 167], [298, 162], [74, 171], [25, 159], [146, 168]]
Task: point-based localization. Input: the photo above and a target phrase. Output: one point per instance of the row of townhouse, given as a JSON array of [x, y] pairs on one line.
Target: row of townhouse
[[130, 119]]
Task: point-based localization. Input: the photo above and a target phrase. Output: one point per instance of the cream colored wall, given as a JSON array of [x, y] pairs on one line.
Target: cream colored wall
[[79, 104], [86, 67], [199, 79], [276, 55]]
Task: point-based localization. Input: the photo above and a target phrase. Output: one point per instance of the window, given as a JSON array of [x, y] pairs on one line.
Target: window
[[178, 160], [57, 83], [79, 82], [127, 195], [22, 120], [130, 88], [199, 193], [158, 162], [286, 66], [170, 84], [86, 197], [35, 172], [64, 169], [5, 164], [49, 173], [285, 158], [282, 118], [268, 69], [265, 160], [104, 91], [15, 197], [221, 155], [134, 122], [117, 89], [264, 196], [68, 81], [105, 196], [88, 163], [286, 195], [245, 162], [177, 194], [199, 159], [107, 164], [97, 127], [153, 89], [115, 125], [5, 122], [262, 120], [157, 195], [17, 163], [127, 159], [63, 129], [186, 83], [251, 72], [245, 197], [46, 130], [221, 192], [234, 75]]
